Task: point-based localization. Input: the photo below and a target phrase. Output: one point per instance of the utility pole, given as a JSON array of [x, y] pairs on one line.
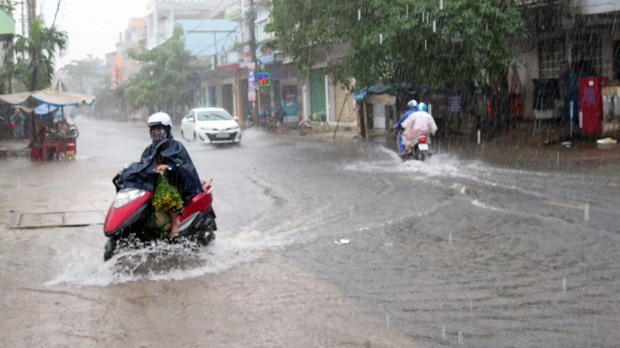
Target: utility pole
[[251, 23], [32, 6], [23, 18]]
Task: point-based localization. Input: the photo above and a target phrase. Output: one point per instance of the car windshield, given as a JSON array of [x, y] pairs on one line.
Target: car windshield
[[213, 115]]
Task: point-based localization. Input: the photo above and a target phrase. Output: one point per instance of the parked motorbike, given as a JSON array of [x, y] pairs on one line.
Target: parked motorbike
[[420, 150], [130, 216]]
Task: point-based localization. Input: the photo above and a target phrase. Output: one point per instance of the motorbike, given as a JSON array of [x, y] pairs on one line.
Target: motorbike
[[420, 150], [130, 216]]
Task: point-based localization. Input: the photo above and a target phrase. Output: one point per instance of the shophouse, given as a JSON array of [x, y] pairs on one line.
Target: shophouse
[[569, 40]]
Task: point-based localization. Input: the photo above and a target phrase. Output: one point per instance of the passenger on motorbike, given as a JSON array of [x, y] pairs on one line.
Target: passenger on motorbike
[[418, 123], [412, 106]]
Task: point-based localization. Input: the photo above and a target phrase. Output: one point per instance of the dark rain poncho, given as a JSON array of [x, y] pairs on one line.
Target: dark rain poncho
[[142, 174]]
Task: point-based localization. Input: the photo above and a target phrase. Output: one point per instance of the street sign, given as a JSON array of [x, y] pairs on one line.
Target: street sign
[[263, 78], [251, 84]]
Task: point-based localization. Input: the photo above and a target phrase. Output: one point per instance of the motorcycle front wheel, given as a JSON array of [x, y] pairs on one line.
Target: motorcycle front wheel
[[110, 247]]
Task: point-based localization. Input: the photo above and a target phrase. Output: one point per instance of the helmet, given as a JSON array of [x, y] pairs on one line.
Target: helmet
[[423, 107], [159, 119], [412, 104]]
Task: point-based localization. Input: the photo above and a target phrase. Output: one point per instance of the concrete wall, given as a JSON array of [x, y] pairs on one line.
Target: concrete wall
[[526, 64], [341, 102]]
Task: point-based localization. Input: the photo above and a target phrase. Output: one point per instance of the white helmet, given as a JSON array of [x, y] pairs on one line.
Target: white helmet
[[159, 119], [412, 104]]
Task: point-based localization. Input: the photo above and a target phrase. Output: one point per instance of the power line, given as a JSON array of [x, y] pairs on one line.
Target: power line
[[216, 42]]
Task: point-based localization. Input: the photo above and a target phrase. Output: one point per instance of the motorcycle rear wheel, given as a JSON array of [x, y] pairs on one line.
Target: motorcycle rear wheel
[[418, 155]]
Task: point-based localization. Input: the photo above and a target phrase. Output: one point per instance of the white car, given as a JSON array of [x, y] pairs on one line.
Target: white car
[[210, 125]]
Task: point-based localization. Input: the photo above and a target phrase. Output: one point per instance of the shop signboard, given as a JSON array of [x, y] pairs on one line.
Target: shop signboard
[[251, 83]]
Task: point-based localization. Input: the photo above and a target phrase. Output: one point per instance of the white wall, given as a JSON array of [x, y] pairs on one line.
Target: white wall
[[588, 7]]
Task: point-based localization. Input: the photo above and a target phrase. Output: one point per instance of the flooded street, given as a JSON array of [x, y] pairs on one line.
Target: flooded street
[[321, 244]]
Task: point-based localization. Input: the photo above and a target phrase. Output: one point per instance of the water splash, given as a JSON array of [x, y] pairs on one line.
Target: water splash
[[164, 262]]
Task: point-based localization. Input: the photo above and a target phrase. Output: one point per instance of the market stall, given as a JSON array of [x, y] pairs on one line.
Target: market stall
[[52, 136]]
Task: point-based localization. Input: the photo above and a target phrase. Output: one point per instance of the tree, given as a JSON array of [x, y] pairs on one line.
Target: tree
[[8, 66], [82, 74], [37, 53], [8, 5], [10, 69], [167, 79], [394, 41]]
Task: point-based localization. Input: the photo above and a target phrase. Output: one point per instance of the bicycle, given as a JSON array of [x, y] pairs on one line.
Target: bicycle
[[318, 120]]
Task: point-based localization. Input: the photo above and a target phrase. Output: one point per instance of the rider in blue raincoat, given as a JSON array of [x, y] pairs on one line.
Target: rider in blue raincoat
[[163, 155], [412, 106]]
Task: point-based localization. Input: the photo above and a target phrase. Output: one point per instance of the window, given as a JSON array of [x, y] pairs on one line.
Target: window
[[616, 60], [586, 53], [212, 96], [213, 115], [552, 58]]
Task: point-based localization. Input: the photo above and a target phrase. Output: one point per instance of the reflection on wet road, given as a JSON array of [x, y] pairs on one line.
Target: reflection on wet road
[[447, 252]]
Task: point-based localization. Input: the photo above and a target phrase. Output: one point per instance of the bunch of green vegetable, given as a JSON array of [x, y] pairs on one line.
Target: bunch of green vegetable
[[166, 197]]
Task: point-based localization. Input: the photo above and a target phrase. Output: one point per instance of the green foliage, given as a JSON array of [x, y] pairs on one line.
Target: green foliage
[[11, 69], [82, 74], [36, 54], [394, 41], [8, 5], [30, 60], [166, 79]]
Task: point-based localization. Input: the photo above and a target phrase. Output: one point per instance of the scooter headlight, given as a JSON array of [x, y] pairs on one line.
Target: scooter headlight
[[126, 196]]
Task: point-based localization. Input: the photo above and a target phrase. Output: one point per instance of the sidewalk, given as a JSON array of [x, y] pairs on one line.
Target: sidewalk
[[14, 148], [542, 145]]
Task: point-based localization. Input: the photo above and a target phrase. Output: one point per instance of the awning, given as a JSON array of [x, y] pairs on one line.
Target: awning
[[53, 98], [44, 109]]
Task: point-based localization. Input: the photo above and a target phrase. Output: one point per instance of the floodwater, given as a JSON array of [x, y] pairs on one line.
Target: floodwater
[[323, 244]]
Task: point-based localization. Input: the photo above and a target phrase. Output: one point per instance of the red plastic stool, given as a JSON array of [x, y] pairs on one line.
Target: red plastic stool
[[55, 146], [36, 153]]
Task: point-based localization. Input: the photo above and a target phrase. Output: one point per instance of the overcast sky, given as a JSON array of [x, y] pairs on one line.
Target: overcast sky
[[93, 26]]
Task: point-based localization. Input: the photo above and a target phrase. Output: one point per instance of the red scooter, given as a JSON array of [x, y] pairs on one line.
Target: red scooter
[[420, 151], [129, 216]]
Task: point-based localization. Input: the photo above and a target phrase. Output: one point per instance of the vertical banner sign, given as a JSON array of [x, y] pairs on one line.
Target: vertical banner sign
[[251, 83]]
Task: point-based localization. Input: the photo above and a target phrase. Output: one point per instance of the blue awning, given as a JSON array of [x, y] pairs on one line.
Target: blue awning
[[54, 98]]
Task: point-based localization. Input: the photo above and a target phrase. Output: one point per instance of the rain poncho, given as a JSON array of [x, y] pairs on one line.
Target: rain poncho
[[418, 123], [142, 174]]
